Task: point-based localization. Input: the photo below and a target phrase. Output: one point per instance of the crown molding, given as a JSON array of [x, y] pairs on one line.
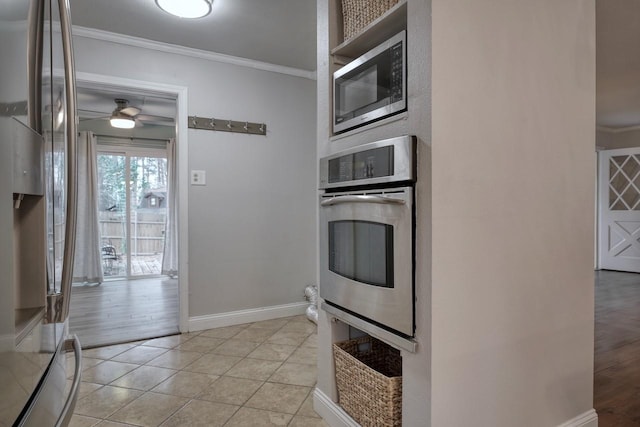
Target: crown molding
[[618, 130], [92, 33]]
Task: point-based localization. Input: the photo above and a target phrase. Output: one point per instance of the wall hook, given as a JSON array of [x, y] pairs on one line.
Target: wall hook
[[221, 125]]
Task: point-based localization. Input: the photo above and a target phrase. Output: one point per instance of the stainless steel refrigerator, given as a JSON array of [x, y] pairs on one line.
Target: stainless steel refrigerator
[[39, 362]]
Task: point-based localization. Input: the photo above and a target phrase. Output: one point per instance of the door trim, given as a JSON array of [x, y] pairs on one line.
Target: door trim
[[181, 93]]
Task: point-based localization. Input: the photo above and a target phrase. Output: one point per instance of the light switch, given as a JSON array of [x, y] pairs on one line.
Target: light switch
[[198, 178]]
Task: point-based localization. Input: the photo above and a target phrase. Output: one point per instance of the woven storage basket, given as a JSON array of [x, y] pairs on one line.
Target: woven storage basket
[[369, 381], [357, 14]]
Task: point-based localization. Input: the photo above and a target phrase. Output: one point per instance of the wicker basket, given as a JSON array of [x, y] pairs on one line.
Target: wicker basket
[[369, 379], [357, 14]]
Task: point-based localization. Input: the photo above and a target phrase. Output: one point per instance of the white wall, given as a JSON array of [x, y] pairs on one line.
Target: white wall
[[513, 173], [252, 228]]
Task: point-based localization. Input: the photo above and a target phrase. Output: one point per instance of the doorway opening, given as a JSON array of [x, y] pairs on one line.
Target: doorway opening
[[137, 295]]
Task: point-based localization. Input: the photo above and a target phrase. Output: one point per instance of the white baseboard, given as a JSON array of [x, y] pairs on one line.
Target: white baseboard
[[210, 321], [587, 419], [330, 411], [335, 416]]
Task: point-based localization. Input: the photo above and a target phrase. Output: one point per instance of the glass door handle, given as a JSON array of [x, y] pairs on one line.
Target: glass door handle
[[362, 199]]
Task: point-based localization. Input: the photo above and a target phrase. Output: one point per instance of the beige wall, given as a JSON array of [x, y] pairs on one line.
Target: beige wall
[[513, 172]]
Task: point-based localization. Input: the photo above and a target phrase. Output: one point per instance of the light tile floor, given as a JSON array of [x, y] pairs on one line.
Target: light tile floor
[[259, 374]]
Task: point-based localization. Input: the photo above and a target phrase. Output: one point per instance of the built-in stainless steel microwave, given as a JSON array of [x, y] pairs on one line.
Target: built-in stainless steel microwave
[[372, 86]]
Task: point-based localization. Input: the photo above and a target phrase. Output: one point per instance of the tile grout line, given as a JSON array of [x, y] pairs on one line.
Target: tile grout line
[[211, 351]]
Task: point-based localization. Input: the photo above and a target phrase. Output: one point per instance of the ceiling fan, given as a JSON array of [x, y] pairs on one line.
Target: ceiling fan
[[125, 116]]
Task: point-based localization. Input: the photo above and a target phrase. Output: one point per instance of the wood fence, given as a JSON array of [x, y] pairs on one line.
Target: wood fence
[[147, 231]]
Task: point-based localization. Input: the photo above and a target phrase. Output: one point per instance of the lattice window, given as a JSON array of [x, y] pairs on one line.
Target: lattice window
[[624, 183]]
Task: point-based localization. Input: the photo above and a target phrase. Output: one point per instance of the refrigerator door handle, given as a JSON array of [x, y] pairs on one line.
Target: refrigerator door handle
[[36, 34], [67, 412], [72, 139]]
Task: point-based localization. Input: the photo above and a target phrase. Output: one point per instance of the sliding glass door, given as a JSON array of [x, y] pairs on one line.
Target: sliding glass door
[[147, 214], [132, 207], [112, 214]]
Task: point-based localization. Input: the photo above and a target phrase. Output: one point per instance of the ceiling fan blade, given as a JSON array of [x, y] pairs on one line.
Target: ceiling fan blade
[[85, 119], [130, 111], [156, 120], [92, 113]]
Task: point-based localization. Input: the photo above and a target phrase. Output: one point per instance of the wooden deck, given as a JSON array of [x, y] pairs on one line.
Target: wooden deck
[[124, 310], [141, 265]]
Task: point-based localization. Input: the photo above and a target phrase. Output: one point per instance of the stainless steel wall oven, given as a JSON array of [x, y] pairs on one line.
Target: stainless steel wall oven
[[367, 233]]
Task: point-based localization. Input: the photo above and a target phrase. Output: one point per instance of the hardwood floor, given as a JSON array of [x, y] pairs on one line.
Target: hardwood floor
[[124, 311], [617, 349]]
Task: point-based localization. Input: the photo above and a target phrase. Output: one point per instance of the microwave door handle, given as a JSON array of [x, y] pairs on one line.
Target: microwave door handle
[[362, 199]]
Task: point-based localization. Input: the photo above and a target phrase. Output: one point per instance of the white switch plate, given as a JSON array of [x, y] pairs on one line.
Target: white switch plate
[[198, 178]]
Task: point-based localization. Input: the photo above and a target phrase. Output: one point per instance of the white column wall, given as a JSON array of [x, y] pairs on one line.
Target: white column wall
[[513, 173]]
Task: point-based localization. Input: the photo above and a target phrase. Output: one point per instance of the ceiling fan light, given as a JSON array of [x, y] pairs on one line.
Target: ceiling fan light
[[186, 8], [122, 122]]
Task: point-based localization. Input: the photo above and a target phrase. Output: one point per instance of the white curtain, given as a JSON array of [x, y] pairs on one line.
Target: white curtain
[[170, 255], [87, 266]]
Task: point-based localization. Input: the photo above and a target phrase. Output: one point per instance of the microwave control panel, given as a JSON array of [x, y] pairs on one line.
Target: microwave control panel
[[397, 71]]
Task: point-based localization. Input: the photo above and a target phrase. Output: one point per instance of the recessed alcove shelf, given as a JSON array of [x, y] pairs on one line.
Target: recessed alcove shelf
[[388, 24], [383, 335]]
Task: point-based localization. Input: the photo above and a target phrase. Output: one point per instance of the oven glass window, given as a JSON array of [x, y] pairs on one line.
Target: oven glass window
[[362, 251]]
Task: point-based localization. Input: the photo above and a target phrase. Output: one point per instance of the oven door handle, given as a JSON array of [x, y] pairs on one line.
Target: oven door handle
[[362, 199]]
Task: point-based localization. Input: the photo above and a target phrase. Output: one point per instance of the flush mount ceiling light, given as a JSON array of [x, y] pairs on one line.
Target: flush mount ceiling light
[[186, 8]]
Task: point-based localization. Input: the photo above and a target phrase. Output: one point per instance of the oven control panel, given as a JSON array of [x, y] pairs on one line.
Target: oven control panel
[[373, 163], [390, 160]]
